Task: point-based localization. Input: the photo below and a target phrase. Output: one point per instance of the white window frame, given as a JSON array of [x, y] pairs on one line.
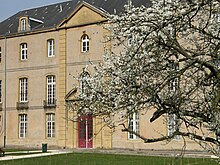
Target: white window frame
[[84, 80], [130, 40], [50, 125], [172, 123], [23, 51], [50, 48], [22, 125], [23, 24], [173, 84], [216, 17], [51, 89], [85, 43], [23, 87], [133, 124]]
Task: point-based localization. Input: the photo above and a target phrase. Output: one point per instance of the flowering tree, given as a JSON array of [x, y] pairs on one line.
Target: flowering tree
[[168, 63]]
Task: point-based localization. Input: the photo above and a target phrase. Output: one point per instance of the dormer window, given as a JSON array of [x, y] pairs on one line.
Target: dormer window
[[23, 24]]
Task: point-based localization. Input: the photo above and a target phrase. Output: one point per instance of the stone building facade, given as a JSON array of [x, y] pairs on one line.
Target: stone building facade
[[41, 50]]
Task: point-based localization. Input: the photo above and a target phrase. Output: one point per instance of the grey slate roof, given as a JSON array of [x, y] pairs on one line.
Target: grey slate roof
[[50, 16]]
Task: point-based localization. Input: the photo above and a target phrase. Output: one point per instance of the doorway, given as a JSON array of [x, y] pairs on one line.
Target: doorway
[[85, 131]]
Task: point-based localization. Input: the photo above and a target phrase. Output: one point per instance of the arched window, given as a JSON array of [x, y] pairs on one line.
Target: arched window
[[85, 43], [23, 24]]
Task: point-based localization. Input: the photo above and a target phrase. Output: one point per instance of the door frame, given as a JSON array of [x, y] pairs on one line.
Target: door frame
[[85, 125]]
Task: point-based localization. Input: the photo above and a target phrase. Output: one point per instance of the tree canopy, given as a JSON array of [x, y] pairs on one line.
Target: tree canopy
[[168, 63]]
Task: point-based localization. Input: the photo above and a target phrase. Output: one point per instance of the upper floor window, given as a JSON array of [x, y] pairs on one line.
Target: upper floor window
[[23, 24], [133, 124], [51, 89], [85, 43], [23, 51], [23, 89], [216, 17], [84, 82], [173, 84], [50, 48], [130, 40]]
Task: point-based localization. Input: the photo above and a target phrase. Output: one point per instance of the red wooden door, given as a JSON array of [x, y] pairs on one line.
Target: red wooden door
[[85, 131]]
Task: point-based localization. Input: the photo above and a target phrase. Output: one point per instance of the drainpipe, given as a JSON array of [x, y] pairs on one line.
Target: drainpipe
[[5, 76]]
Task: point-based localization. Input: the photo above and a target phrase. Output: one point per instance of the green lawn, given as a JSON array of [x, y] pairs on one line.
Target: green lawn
[[107, 159]]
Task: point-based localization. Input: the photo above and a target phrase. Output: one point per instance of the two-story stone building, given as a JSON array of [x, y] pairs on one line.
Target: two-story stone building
[[41, 50]]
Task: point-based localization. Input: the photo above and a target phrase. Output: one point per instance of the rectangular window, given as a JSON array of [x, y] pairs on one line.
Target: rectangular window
[[130, 40], [216, 17], [133, 124], [23, 90], [51, 87], [173, 87], [50, 48], [172, 125], [22, 126], [23, 51], [173, 84], [50, 125]]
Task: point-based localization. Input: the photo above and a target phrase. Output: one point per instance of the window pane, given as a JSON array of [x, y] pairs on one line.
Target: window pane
[[23, 51], [50, 44], [50, 125], [51, 87], [22, 125], [85, 43], [23, 90], [23, 24], [133, 124]]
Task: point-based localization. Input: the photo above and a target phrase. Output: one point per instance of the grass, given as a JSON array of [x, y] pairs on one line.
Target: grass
[[108, 159]]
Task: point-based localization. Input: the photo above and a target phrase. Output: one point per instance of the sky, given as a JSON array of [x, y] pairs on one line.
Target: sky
[[11, 7]]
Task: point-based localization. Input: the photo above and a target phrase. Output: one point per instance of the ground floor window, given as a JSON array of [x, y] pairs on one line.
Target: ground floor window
[[172, 125], [22, 126], [50, 125], [133, 125]]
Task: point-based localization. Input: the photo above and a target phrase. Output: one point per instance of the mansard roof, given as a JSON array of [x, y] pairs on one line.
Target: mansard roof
[[51, 16]]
